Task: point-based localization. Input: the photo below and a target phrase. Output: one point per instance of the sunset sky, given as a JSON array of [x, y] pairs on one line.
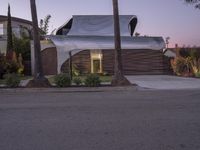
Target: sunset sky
[[173, 18]]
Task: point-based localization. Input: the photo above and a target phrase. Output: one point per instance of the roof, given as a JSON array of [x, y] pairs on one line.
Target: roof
[[107, 42], [98, 25], [5, 18]]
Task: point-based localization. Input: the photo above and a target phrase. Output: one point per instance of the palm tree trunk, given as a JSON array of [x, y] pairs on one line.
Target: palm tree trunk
[[39, 79], [118, 78]]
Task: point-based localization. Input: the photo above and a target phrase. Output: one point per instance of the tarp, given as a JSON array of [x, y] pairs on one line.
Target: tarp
[[100, 25], [65, 44], [97, 32]]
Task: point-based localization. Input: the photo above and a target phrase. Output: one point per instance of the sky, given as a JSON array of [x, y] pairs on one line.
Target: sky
[[166, 18]]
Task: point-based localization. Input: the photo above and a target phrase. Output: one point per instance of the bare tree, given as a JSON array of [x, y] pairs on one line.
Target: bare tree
[[118, 78], [44, 24], [39, 79]]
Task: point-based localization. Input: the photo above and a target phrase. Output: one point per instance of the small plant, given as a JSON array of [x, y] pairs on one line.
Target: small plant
[[105, 74], [92, 80], [12, 80], [75, 71], [77, 81], [62, 80], [197, 74], [195, 66]]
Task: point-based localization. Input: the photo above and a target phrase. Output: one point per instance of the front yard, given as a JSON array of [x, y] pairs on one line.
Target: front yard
[[103, 79]]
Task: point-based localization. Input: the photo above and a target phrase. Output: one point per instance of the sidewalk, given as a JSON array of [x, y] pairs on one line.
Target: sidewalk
[[164, 82], [143, 82]]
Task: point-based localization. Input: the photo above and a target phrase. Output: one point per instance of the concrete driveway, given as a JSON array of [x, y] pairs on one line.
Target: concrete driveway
[[164, 82]]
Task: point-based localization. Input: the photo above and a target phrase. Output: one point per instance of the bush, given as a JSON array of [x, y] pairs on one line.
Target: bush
[[75, 71], [12, 80], [62, 80], [197, 74], [22, 45], [181, 66], [92, 80], [8, 66], [2, 65], [12, 67], [77, 81]]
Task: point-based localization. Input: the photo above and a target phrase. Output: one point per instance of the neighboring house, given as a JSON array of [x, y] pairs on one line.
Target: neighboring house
[[90, 39], [170, 52], [18, 26], [180, 51]]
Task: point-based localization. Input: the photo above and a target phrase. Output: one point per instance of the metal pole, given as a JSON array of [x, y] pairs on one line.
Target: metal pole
[[70, 66]]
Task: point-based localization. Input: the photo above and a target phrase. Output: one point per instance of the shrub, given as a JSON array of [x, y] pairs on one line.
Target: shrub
[[187, 63], [12, 67], [2, 65], [195, 66], [92, 80], [12, 80], [62, 80], [8, 66], [181, 66], [77, 81], [22, 45], [75, 71], [197, 74]]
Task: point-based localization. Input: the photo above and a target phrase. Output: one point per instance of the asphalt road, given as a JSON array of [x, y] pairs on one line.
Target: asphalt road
[[113, 120]]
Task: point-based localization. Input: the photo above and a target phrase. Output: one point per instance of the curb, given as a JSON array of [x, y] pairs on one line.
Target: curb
[[68, 90]]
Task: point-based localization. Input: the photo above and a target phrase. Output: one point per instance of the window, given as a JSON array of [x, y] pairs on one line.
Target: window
[[1, 29]]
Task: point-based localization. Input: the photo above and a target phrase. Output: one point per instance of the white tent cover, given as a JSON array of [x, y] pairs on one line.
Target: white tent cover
[[97, 25], [97, 32]]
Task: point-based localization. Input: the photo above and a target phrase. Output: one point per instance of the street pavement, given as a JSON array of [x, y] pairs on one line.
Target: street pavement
[[122, 119]]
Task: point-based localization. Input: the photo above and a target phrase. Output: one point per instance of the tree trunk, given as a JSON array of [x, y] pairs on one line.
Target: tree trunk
[[118, 78], [39, 79]]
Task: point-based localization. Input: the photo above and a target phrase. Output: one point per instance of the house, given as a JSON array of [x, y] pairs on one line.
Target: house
[[18, 26], [90, 40], [170, 52], [181, 51]]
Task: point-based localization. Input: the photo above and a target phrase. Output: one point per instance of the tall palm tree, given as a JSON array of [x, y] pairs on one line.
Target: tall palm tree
[[195, 2], [39, 79], [118, 78]]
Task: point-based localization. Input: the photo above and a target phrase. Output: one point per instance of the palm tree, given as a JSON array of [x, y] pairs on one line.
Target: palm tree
[[118, 78], [194, 2], [39, 79]]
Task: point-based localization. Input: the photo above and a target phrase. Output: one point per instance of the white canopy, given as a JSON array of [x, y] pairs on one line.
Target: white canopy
[[65, 44], [100, 25], [97, 32]]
